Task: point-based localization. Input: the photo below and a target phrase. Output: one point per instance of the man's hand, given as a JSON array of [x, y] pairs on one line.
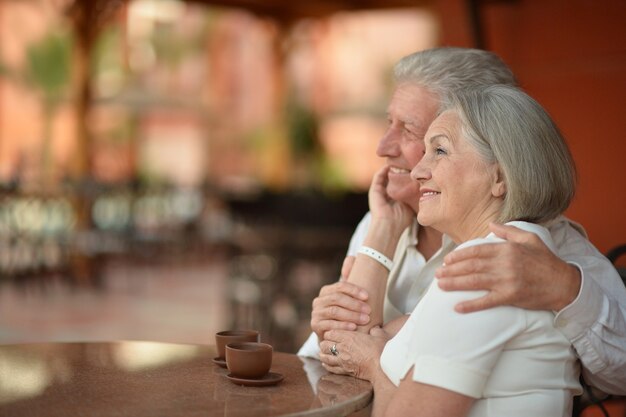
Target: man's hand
[[358, 354], [340, 306], [395, 213], [521, 272]]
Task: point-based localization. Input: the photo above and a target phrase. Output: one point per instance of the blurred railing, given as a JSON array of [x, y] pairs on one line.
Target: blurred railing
[[35, 233], [39, 234], [278, 249]]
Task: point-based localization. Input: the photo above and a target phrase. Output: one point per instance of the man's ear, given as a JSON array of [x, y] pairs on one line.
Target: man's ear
[[498, 189]]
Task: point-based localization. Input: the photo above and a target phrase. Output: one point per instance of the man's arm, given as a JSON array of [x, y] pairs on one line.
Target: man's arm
[[521, 272], [359, 303], [331, 307], [595, 321], [338, 300], [389, 220], [582, 287]]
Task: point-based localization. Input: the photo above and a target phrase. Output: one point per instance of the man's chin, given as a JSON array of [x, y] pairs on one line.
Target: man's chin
[[403, 198], [406, 195]]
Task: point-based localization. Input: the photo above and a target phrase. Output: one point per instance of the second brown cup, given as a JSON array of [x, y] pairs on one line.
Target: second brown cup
[[249, 360], [233, 336]]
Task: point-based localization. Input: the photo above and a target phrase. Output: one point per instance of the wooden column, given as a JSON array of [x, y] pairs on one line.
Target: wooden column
[[88, 17]]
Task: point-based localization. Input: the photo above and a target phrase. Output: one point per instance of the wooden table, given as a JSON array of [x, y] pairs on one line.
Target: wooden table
[[162, 379]]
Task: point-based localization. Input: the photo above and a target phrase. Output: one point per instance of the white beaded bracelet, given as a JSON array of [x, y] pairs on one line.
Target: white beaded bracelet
[[377, 256]]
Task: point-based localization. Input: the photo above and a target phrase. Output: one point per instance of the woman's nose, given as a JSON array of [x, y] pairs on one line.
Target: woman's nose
[[421, 171]]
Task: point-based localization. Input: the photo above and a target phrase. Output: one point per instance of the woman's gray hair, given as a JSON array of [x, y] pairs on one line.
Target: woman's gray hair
[[446, 70], [507, 126]]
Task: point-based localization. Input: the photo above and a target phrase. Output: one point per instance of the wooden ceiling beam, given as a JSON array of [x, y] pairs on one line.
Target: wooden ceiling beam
[[294, 9], [284, 10]]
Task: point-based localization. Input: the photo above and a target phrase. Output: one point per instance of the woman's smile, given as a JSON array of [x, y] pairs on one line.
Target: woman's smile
[[427, 195]]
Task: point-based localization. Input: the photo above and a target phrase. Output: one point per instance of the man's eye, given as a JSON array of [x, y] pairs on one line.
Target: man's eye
[[410, 134]]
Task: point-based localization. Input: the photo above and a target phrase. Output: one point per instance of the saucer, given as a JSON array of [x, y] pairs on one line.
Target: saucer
[[270, 378], [219, 361]]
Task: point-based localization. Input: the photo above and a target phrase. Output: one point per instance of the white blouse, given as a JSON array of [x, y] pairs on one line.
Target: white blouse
[[513, 361]]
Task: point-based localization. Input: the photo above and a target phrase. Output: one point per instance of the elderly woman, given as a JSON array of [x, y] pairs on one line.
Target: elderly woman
[[493, 155]]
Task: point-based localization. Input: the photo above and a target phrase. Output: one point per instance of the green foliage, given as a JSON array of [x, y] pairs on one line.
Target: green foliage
[[48, 65], [330, 175], [173, 46], [170, 48], [303, 129], [47, 70], [4, 70], [105, 55]]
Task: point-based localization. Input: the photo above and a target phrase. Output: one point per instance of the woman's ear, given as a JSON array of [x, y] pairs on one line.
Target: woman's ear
[[498, 189]]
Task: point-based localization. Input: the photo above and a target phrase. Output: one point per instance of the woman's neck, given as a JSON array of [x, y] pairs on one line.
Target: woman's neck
[[474, 231], [428, 241], [475, 224]]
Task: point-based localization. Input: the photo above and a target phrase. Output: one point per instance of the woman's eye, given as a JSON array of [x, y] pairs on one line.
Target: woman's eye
[[440, 151]]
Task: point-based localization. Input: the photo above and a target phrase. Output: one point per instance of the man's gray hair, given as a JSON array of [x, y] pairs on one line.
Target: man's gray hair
[[510, 128], [446, 70]]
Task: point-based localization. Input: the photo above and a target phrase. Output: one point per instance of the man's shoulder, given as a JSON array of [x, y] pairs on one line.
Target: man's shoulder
[[571, 240]]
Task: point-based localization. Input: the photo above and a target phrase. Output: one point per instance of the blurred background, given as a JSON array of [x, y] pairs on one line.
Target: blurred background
[[170, 168]]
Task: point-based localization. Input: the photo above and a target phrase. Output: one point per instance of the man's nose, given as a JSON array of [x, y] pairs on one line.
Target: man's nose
[[389, 145]]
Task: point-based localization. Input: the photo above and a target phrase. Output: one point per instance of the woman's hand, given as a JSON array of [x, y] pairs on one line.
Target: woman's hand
[[358, 354]]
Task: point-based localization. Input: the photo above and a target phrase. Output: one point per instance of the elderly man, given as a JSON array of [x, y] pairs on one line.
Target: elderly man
[[581, 287]]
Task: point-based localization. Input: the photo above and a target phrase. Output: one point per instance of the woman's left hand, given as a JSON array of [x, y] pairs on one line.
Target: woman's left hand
[[357, 353]]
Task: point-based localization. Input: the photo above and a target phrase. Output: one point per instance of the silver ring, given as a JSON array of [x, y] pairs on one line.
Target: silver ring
[[333, 350]]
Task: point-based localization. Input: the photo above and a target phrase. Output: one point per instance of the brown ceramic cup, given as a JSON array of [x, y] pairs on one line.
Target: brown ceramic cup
[[249, 360], [233, 336]]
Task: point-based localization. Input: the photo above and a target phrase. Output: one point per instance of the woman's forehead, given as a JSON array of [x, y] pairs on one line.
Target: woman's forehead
[[447, 123]]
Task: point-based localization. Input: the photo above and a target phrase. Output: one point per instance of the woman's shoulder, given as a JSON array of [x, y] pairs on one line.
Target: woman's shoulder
[[542, 232]]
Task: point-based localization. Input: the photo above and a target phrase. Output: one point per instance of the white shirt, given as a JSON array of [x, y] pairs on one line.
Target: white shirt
[[595, 322], [513, 361]]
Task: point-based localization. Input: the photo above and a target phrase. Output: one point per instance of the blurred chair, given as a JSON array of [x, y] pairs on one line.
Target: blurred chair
[[613, 255]]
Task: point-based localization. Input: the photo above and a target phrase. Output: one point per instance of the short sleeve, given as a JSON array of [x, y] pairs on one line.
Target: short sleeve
[[460, 350]]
